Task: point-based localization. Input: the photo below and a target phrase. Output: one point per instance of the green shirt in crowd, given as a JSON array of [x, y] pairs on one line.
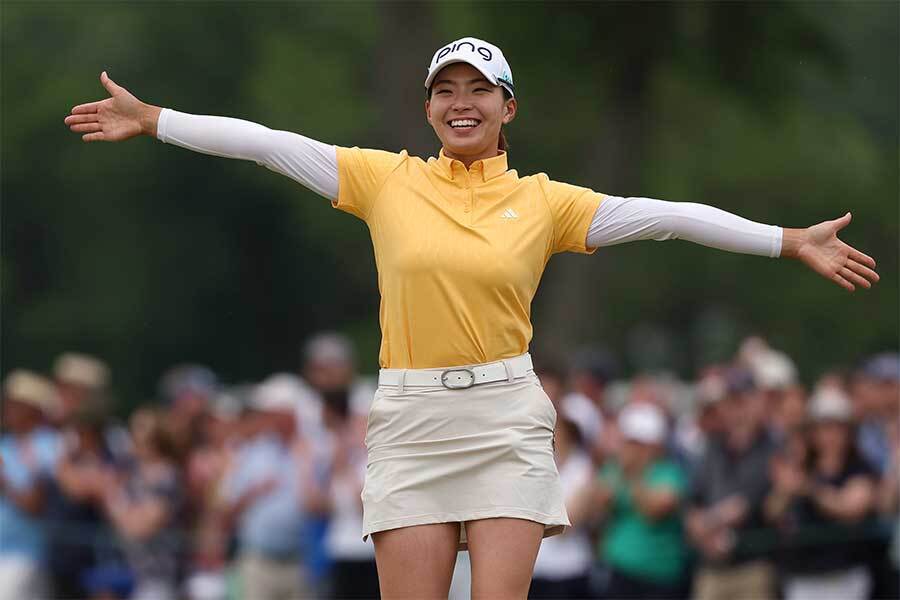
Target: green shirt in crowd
[[636, 545]]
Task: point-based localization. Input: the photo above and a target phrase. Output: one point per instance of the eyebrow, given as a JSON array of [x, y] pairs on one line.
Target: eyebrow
[[476, 80]]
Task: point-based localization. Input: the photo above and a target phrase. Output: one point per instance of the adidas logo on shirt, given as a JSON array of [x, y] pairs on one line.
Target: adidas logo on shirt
[[509, 215]]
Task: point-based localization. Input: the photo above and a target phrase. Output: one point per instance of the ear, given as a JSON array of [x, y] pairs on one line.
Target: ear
[[510, 110], [428, 111]]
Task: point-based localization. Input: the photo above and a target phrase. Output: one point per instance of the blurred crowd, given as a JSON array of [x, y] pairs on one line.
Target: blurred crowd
[[744, 483]]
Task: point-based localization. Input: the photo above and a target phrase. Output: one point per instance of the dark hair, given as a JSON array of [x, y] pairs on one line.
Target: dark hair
[[571, 427], [852, 455], [502, 144]]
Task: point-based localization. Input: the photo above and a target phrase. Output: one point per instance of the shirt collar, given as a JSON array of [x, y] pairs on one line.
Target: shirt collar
[[486, 169]]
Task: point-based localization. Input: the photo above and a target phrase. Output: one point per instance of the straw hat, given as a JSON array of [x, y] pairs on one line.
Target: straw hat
[[32, 389], [81, 369]]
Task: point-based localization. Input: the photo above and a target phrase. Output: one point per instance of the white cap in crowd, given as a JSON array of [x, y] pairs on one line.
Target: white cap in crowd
[[82, 370], [830, 404], [32, 389], [482, 55], [711, 390], [773, 370], [276, 394], [329, 347], [642, 422]]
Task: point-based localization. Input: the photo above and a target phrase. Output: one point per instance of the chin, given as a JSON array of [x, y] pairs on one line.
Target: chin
[[466, 147]]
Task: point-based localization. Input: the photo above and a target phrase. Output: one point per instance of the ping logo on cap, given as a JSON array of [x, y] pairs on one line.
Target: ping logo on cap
[[485, 53], [482, 55]]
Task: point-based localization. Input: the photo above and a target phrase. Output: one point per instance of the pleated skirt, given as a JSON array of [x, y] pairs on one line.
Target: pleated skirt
[[437, 455]]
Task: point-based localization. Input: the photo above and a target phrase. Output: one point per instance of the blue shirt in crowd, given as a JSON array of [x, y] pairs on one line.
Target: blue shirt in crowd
[[28, 460], [271, 524]]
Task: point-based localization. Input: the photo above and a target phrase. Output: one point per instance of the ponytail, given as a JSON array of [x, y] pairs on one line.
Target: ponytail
[[502, 144]]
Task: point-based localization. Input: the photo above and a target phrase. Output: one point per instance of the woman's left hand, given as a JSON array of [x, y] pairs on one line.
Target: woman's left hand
[[821, 250]]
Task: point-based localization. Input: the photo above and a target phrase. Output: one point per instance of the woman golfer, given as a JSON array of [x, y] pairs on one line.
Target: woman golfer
[[460, 431]]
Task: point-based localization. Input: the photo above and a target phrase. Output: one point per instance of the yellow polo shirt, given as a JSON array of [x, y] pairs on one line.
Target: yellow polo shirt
[[459, 252]]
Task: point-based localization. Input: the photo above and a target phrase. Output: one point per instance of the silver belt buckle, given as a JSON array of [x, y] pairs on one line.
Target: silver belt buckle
[[457, 382]]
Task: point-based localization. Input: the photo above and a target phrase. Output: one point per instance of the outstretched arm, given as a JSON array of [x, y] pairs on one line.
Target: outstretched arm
[[308, 162], [619, 220], [122, 116]]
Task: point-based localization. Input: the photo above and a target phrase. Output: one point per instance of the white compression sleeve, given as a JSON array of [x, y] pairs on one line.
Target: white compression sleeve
[[620, 220], [312, 164]]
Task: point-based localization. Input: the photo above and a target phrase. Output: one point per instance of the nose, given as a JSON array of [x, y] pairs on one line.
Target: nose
[[461, 103]]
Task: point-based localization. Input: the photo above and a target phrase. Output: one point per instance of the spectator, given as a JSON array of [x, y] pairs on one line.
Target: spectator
[[876, 397], [79, 525], [785, 399], [353, 573], [329, 368], [593, 370], [207, 467], [264, 497], [81, 381], [553, 380], [820, 501], [143, 505], [662, 392], [187, 391], [889, 507], [694, 431], [29, 450], [564, 561], [726, 497]]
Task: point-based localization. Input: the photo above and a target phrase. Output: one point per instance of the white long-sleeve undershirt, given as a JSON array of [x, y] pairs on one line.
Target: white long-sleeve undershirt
[[618, 220], [308, 162]]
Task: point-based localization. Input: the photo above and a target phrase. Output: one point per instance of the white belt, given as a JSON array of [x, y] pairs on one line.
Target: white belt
[[457, 378]]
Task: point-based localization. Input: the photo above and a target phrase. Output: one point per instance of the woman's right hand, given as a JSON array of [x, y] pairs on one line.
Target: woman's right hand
[[118, 118]]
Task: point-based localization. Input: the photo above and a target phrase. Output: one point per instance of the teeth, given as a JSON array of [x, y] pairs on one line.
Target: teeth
[[463, 123]]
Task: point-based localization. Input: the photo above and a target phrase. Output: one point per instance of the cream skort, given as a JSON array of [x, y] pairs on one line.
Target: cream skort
[[439, 455]]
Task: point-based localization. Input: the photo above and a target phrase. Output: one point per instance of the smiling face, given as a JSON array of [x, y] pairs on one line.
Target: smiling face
[[466, 112]]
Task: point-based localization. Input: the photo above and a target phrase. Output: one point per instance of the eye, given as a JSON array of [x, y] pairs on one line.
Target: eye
[[482, 90], [442, 92]]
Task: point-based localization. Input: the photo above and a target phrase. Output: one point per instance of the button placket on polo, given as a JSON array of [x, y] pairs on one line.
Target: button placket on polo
[[476, 171]]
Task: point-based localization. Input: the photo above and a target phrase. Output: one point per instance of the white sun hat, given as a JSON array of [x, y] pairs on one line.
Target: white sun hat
[[643, 423], [276, 394], [773, 370], [32, 389], [482, 55], [830, 404]]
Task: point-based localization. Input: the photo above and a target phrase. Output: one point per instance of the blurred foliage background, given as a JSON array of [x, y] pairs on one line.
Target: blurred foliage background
[[148, 255]]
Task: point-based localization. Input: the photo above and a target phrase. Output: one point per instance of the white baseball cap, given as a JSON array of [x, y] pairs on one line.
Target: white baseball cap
[[482, 55], [773, 370], [276, 394], [830, 404], [643, 423]]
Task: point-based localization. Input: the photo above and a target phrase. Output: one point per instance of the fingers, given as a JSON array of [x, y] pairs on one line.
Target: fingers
[[93, 137], [86, 127], [862, 258], [854, 278], [90, 107], [863, 270], [842, 282], [74, 119]]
